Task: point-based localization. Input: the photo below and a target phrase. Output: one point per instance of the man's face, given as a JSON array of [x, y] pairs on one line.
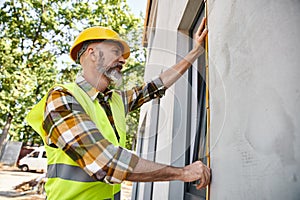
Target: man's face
[[110, 60]]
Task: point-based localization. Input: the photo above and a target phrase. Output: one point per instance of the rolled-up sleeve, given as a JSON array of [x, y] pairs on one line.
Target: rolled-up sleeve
[[122, 164], [139, 95]]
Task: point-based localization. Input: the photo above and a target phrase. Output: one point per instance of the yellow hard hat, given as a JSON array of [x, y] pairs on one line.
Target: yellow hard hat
[[97, 33]]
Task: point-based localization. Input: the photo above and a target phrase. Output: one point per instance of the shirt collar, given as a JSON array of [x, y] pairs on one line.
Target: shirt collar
[[92, 92]]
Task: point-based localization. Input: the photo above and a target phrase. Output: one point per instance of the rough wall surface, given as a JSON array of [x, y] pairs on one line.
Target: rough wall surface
[[255, 99]]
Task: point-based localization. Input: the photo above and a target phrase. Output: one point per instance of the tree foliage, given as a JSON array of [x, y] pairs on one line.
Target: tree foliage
[[35, 40]]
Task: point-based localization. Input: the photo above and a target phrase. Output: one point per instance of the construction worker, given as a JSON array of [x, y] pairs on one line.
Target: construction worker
[[83, 123]]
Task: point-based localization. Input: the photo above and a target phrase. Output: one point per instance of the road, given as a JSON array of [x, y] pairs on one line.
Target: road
[[11, 177]]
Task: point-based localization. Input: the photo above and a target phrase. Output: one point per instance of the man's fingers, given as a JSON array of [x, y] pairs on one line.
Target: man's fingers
[[208, 176], [205, 179], [200, 185], [203, 34], [203, 183], [201, 27]]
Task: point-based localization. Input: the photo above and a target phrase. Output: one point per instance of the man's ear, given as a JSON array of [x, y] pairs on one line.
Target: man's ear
[[92, 54]]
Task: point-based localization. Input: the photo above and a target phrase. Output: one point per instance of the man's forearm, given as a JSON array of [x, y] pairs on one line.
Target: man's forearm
[[148, 171], [172, 74]]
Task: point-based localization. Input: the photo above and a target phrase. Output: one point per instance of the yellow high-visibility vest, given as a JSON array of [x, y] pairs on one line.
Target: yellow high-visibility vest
[[66, 180]]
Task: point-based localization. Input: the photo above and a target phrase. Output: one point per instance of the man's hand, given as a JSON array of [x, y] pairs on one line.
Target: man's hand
[[148, 171], [199, 36], [197, 171]]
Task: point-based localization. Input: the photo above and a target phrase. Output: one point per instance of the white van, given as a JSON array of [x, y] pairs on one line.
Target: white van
[[36, 160]]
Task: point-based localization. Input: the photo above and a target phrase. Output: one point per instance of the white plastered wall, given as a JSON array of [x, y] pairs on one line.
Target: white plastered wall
[[254, 63]]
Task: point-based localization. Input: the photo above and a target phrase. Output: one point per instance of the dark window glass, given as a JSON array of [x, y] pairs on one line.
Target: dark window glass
[[197, 133], [35, 154], [44, 154]]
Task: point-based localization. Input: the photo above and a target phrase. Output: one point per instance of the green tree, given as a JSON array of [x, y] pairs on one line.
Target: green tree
[[35, 39]]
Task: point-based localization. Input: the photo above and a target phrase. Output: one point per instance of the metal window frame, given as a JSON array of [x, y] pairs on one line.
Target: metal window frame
[[190, 192]]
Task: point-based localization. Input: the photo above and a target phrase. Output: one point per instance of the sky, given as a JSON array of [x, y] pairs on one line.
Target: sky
[[137, 6]]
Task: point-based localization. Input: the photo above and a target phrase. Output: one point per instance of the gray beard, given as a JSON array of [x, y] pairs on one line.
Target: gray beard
[[115, 76]]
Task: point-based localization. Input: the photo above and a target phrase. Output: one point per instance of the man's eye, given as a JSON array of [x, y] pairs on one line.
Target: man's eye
[[117, 52]]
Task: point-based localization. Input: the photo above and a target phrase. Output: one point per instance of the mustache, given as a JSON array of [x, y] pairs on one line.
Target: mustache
[[107, 69], [117, 65]]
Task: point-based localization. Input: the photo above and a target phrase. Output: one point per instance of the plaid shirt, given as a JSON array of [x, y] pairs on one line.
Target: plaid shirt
[[71, 129]]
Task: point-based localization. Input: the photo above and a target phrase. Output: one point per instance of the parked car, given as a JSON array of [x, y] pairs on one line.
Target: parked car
[[36, 160]]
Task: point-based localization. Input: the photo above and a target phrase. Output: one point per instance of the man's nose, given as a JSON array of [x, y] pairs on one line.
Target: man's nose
[[122, 59]]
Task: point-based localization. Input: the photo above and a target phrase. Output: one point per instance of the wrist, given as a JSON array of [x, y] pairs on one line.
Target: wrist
[[198, 49], [194, 54], [180, 174], [174, 173]]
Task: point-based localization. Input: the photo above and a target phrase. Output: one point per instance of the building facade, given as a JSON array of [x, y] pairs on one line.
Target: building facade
[[253, 94]]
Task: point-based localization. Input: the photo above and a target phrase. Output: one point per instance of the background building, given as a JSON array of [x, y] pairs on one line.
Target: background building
[[254, 87]]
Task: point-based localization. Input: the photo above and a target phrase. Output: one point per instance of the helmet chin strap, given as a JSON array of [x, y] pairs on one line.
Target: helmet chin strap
[[81, 51], [84, 48]]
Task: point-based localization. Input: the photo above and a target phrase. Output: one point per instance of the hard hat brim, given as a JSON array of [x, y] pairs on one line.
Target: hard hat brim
[[75, 49]]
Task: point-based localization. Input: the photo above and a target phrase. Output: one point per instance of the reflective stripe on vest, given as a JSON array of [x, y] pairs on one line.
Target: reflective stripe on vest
[[67, 172]]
